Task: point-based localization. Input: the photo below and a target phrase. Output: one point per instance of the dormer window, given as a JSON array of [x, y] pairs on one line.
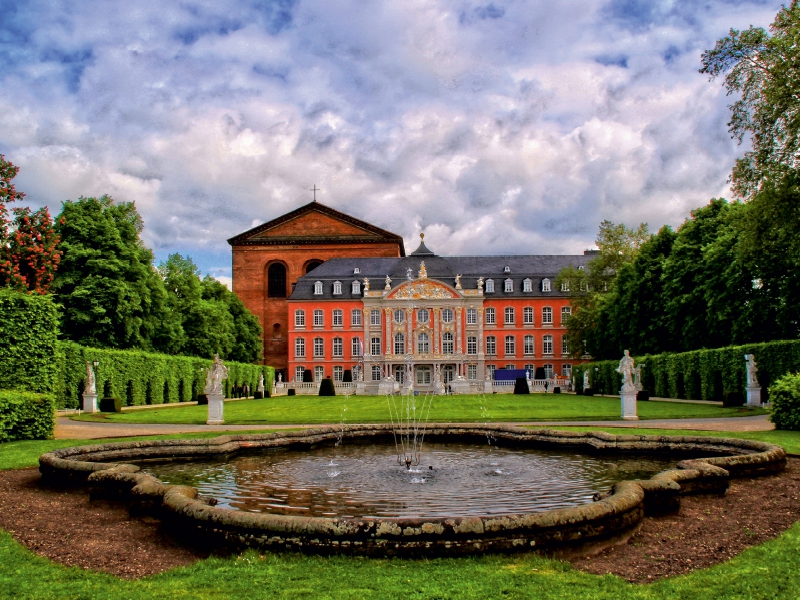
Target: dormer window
[[508, 285], [545, 285], [506, 269], [318, 288], [489, 285], [355, 288], [356, 271], [337, 288], [527, 285]]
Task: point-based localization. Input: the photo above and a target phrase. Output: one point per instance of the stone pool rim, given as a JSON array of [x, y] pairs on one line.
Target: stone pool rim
[[614, 516]]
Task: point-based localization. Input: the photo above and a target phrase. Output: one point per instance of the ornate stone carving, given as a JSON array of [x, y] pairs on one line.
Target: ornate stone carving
[[423, 272], [215, 375], [458, 282], [366, 284], [422, 290], [388, 285]]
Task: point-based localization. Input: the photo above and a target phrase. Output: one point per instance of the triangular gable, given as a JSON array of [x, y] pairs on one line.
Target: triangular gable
[[315, 221], [422, 289]]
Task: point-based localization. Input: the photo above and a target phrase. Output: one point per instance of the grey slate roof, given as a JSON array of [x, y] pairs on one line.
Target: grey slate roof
[[442, 268]]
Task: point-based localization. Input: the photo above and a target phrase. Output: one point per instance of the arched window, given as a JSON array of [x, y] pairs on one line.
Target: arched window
[[355, 287], [338, 347], [423, 343], [318, 288], [337, 288], [545, 285], [527, 315], [547, 316], [276, 281], [313, 265], [491, 344], [276, 331], [489, 286], [529, 349], [447, 343], [527, 285], [319, 347], [318, 318], [508, 314], [547, 344], [338, 317], [399, 344], [299, 347], [509, 285], [399, 315], [299, 318], [511, 345], [489, 316], [423, 315], [355, 317]]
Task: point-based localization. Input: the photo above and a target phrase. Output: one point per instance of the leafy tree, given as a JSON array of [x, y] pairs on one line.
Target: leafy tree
[[110, 294], [28, 245], [763, 69]]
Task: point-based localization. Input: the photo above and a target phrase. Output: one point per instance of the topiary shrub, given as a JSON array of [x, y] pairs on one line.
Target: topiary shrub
[[733, 399], [521, 386], [588, 391], [26, 416], [109, 404], [290, 392], [785, 397], [326, 387], [202, 399], [308, 376], [258, 395], [348, 376], [642, 396]]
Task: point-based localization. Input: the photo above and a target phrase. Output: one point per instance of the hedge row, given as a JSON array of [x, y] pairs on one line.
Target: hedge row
[[700, 374], [28, 330], [142, 377], [26, 416]]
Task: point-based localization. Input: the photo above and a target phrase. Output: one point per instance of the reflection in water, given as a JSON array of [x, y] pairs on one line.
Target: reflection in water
[[458, 480]]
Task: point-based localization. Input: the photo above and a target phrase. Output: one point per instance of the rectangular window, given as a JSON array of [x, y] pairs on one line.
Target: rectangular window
[[510, 367], [566, 370], [298, 373], [300, 347], [490, 285], [508, 285], [547, 316], [423, 375], [319, 374], [299, 318], [355, 317], [376, 373], [374, 317], [491, 344], [399, 344], [472, 371], [338, 318], [527, 285], [472, 316], [564, 345], [491, 369], [566, 313], [318, 318], [355, 346], [509, 316], [565, 286], [375, 346], [338, 347], [511, 345], [338, 373], [527, 315], [337, 287], [548, 371], [472, 344], [529, 347], [489, 316], [547, 344], [319, 347]]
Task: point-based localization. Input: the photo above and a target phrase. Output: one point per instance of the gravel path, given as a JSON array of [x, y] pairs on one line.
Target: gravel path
[[84, 430]]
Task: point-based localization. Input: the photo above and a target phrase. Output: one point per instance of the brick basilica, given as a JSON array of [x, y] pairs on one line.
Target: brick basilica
[[333, 292]]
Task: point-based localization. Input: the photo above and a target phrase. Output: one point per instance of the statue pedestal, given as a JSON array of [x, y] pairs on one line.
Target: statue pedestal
[[360, 388], [216, 411], [754, 396], [628, 405], [90, 403], [386, 387], [459, 386], [488, 388]]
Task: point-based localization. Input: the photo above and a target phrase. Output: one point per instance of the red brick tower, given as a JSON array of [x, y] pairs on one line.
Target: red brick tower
[[268, 260]]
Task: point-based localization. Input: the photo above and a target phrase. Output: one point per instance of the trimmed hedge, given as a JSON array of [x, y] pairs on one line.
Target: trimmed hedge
[[28, 332], [326, 387], [26, 416], [700, 374], [785, 394], [138, 377]]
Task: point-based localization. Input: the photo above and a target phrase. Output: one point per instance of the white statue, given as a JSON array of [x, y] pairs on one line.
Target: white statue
[[91, 382], [261, 383], [480, 283], [626, 370], [488, 376], [215, 375], [637, 377], [388, 283], [423, 272], [366, 284], [458, 282], [586, 379], [280, 377], [752, 369]]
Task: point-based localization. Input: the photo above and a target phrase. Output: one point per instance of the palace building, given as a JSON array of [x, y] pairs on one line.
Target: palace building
[[450, 315]]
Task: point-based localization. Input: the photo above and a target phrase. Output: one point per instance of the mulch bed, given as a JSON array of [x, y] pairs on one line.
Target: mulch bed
[[66, 527]]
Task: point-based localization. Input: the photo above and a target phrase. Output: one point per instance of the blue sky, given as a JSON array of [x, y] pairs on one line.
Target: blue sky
[[496, 127]]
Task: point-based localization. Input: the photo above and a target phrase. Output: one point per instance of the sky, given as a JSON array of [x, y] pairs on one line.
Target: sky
[[502, 127]]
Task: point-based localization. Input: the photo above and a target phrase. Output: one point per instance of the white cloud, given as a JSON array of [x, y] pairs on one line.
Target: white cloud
[[498, 127]]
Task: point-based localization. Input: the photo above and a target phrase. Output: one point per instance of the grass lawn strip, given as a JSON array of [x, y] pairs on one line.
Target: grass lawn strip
[[445, 409]]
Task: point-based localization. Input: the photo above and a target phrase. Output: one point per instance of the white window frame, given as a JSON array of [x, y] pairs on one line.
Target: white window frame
[[338, 347], [375, 350], [318, 288], [423, 343], [510, 367], [355, 346], [527, 285], [508, 285], [298, 373], [299, 318], [337, 288], [546, 285], [355, 317], [529, 345], [338, 373], [448, 315], [375, 317], [376, 373], [448, 343], [472, 372], [319, 318], [399, 343], [510, 345], [547, 345], [319, 347], [566, 370], [491, 369], [490, 316], [566, 313], [299, 347], [564, 345], [489, 286], [399, 315], [509, 315], [338, 317], [491, 345], [472, 344], [423, 375], [355, 287], [527, 315], [548, 371], [472, 316], [565, 286], [423, 316], [319, 373], [547, 315]]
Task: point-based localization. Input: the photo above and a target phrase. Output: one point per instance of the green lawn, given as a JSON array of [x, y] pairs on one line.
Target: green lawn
[[374, 409], [766, 571]]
